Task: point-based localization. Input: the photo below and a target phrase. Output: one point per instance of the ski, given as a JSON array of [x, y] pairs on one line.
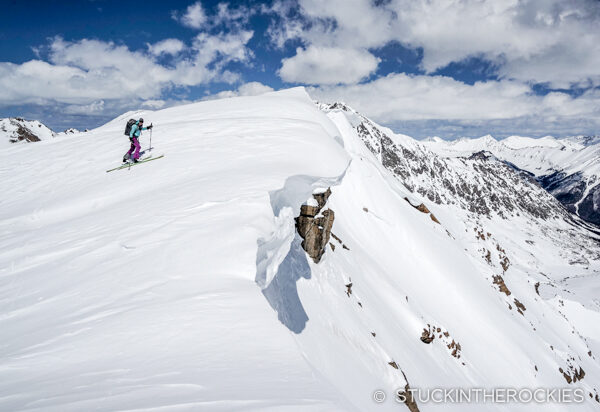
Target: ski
[[130, 164]]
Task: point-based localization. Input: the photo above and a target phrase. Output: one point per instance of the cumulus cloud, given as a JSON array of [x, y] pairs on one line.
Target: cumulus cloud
[[397, 98], [154, 104], [193, 17], [530, 40], [85, 109], [90, 70], [246, 89], [328, 65], [226, 46], [166, 46]]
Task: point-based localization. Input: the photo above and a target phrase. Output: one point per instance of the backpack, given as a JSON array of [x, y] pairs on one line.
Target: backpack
[[129, 125]]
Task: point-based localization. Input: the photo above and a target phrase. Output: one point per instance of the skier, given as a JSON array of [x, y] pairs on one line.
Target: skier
[[134, 136]]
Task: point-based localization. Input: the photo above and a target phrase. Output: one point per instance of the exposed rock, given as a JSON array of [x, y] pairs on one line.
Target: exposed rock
[[566, 375], [427, 336], [339, 241], [349, 289], [498, 280], [448, 180], [393, 364], [456, 348], [520, 306], [423, 209], [314, 226], [25, 134], [504, 262], [322, 197], [17, 129], [488, 257], [309, 211], [408, 397]]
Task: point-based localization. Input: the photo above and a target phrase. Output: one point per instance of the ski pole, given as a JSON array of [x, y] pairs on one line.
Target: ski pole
[[150, 149]]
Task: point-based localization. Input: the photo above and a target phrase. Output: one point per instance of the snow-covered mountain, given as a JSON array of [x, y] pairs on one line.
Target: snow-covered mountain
[[285, 256], [569, 168], [16, 129]]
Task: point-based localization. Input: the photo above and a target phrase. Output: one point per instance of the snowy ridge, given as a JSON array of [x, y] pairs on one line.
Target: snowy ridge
[[182, 284], [14, 130]]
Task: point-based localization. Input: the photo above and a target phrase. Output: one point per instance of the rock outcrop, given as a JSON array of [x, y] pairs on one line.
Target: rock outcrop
[[314, 225], [17, 129]]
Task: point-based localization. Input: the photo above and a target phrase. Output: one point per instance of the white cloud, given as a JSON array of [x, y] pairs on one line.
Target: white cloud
[[399, 97], [194, 16], [536, 40], [166, 46], [154, 104], [247, 89], [327, 65], [232, 17], [253, 89], [227, 46], [89, 70], [93, 108], [530, 40]]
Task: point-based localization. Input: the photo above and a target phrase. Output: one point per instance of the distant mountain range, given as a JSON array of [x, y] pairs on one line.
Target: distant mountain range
[[568, 168], [18, 130]]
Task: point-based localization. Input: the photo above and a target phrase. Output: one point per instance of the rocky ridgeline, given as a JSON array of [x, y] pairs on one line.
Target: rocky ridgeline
[[480, 184], [17, 129], [314, 225]]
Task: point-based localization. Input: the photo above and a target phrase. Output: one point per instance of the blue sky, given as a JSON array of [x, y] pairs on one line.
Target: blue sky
[[440, 67]]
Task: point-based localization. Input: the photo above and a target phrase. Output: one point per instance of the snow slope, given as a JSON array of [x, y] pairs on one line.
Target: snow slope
[[181, 284]]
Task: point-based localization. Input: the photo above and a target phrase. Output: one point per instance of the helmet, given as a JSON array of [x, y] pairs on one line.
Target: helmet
[[141, 120]]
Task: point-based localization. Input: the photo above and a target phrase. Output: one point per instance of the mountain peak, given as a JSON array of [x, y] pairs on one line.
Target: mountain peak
[[17, 129]]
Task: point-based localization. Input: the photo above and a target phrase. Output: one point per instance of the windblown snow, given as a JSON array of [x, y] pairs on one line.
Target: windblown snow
[[181, 284]]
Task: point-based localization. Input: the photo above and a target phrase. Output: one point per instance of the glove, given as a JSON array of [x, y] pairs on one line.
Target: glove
[[150, 127]]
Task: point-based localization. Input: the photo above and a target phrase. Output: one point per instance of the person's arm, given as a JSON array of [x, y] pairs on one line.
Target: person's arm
[[132, 131], [147, 128]]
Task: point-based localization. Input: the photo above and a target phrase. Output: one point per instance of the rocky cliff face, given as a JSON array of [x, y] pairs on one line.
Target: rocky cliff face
[[477, 182], [314, 225], [578, 193]]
